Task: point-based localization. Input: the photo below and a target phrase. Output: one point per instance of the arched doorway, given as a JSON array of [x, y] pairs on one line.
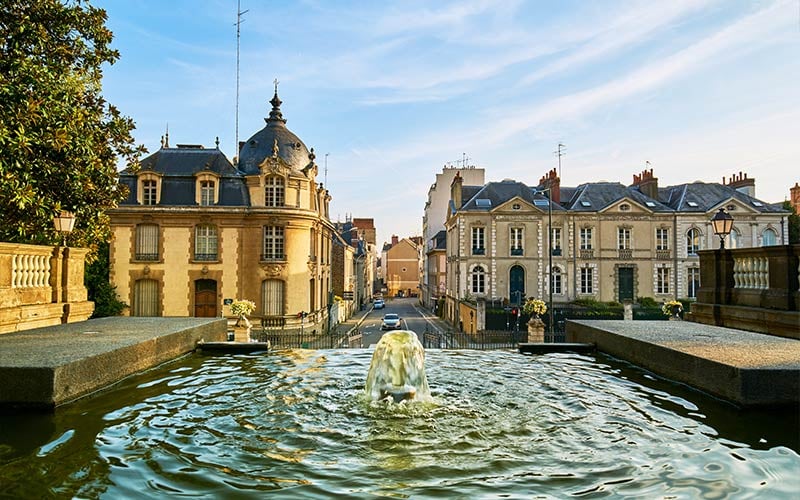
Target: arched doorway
[[205, 299], [516, 284]]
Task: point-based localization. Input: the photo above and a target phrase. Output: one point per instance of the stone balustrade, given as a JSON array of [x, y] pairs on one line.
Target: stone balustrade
[[754, 289], [41, 286]]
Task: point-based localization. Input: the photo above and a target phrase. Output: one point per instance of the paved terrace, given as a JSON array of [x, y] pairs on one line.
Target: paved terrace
[[46, 367], [749, 369]]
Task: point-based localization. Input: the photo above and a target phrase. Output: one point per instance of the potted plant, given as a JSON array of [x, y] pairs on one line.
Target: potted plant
[[242, 308], [535, 308], [673, 309]]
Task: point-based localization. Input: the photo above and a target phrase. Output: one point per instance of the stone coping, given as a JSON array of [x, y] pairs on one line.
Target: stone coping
[[46, 367], [746, 368]]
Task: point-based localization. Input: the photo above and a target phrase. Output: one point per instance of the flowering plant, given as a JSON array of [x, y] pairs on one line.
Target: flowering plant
[[667, 307], [243, 307], [534, 307]]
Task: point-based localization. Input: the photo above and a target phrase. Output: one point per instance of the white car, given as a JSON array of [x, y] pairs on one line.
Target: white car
[[391, 321]]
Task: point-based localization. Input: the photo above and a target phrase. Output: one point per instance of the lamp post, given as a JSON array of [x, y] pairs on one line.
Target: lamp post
[[722, 223], [64, 222]]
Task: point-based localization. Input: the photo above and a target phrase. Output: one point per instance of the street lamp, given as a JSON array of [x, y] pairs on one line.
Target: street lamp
[[722, 222], [64, 223]]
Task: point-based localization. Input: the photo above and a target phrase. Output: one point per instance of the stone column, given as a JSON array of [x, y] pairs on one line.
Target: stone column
[[481, 326], [627, 310], [535, 330], [241, 330]]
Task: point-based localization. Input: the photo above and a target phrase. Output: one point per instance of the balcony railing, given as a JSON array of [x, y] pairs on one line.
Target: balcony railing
[[663, 254], [625, 253], [146, 256], [586, 253], [517, 251], [206, 257], [478, 251]]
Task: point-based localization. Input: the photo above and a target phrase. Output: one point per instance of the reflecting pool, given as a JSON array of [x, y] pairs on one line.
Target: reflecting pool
[[298, 423]]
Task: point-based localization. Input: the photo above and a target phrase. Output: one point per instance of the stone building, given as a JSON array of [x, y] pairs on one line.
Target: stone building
[[602, 240], [197, 231], [401, 265]]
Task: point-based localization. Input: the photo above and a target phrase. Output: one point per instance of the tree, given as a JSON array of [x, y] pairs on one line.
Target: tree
[[794, 223], [60, 141], [101, 291]]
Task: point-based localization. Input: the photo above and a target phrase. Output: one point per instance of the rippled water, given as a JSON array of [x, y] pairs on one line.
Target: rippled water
[[502, 426]]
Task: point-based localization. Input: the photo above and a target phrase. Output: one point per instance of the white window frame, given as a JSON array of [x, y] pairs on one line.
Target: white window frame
[[205, 242], [624, 238], [662, 238], [274, 191], [586, 234], [663, 280], [479, 239], [693, 239], [273, 243], [478, 280], [587, 280]]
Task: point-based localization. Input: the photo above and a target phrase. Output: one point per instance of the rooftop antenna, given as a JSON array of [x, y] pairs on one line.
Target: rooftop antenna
[[326, 168], [560, 153], [239, 21]]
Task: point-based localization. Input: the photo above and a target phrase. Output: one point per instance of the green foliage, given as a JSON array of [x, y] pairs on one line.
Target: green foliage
[[794, 223], [647, 302], [596, 305], [59, 139], [101, 292]]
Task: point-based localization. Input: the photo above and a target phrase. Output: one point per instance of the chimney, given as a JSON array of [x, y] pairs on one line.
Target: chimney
[[795, 197], [647, 183], [553, 182], [395, 240], [742, 184], [455, 190]]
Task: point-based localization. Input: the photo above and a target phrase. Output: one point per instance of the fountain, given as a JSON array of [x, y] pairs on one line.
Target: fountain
[[397, 369], [298, 424]]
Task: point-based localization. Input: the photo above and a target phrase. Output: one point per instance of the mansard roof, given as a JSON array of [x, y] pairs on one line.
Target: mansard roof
[[494, 194], [596, 196], [702, 197]]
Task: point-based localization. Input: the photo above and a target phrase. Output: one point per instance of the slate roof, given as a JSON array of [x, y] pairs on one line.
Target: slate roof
[[497, 193], [178, 166], [707, 196], [440, 240], [596, 196]]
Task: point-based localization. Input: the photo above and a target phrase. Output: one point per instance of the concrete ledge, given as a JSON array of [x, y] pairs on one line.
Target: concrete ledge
[[746, 368], [47, 367], [754, 319], [548, 347]]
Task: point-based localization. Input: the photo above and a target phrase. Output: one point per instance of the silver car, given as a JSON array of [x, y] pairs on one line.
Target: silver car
[[391, 321]]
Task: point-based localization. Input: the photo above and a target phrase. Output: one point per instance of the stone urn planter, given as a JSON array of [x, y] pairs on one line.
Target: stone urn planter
[[535, 330], [241, 330]]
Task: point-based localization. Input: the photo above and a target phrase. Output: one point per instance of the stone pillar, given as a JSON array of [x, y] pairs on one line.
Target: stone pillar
[[627, 310], [535, 330], [241, 330], [481, 326]]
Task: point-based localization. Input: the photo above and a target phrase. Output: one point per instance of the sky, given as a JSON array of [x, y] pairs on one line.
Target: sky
[[387, 93]]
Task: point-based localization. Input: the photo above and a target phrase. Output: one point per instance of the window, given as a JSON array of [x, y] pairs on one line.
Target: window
[[662, 280], [734, 239], [205, 242], [692, 281], [273, 243], [623, 238], [556, 235], [478, 280], [662, 239], [272, 297], [557, 281], [587, 277], [149, 191], [692, 241], [313, 246], [586, 238], [206, 193], [516, 241], [147, 242], [274, 191], [769, 238], [145, 298], [478, 241]]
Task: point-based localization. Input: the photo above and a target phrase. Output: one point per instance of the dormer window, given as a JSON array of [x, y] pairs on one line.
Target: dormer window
[[149, 189], [206, 189], [274, 191]]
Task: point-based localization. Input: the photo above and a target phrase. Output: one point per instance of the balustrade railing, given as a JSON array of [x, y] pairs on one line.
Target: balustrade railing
[[30, 270], [751, 272]]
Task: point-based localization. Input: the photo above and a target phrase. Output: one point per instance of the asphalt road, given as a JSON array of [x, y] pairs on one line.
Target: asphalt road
[[412, 317]]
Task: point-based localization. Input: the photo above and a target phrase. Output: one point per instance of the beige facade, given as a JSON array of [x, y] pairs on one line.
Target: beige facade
[[197, 232], [401, 265], [632, 246]]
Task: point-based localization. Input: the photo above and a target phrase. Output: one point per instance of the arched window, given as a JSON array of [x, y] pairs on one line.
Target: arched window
[[145, 298], [205, 242], [274, 191], [272, 297], [769, 238], [557, 281], [692, 241], [478, 280], [734, 239]]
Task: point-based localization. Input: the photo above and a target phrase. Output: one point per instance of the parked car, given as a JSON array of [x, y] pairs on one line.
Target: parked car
[[391, 321], [379, 304]]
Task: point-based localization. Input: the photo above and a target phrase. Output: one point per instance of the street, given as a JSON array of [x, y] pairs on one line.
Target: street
[[413, 318]]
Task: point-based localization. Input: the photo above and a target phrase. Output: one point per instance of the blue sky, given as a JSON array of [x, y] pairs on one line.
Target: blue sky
[[392, 91]]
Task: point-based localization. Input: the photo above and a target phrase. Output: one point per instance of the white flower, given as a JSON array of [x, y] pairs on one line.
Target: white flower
[[534, 306], [239, 307]]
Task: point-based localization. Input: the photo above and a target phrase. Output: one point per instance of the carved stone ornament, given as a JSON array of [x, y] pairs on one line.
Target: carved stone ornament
[[204, 270], [273, 270], [146, 270]]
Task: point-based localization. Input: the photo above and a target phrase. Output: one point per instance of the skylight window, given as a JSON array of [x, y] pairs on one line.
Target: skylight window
[[650, 204], [757, 203], [483, 202], [691, 203], [540, 202], [586, 203]]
